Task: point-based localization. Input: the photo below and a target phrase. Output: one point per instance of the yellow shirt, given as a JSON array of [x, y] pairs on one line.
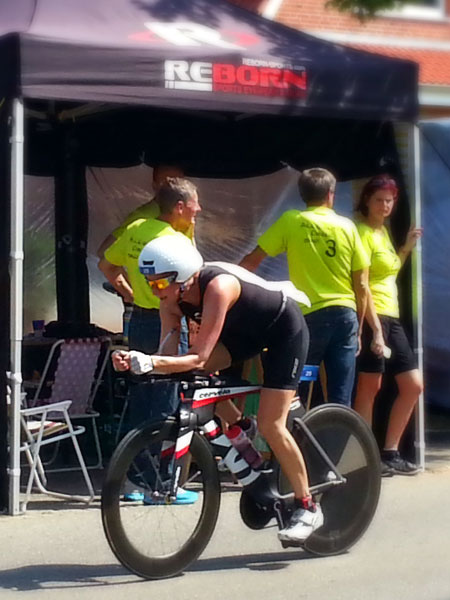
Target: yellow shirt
[[323, 249], [384, 267], [149, 210], [124, 252]]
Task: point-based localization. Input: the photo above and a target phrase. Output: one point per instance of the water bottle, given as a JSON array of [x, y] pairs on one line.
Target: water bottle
[[244, 446]]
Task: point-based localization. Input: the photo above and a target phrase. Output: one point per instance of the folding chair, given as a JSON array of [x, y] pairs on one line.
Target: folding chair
[[42, 432], [73, 372]]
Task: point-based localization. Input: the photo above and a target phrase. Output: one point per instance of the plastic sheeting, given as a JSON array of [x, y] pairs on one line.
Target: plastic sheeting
[[39, 251], [234, 213], [436, 261]]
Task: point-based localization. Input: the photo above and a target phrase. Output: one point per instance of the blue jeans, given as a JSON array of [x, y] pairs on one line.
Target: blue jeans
[[156, 401], [334, 339]]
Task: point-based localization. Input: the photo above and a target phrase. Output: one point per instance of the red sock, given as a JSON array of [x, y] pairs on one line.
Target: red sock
[[306, 502]]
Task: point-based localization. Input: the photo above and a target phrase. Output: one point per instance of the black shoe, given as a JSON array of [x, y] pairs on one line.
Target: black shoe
[[399, 465], [386, 470]]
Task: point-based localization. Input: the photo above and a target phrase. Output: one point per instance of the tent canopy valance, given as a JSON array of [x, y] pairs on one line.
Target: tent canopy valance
[[214, 145]]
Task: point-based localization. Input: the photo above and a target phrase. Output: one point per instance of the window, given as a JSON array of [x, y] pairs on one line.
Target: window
[[421, 9]]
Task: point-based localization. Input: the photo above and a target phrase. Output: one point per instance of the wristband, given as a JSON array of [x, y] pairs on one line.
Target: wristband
[[140, 363]]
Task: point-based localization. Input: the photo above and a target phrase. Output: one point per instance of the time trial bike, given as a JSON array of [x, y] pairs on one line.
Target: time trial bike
[[160, 537]]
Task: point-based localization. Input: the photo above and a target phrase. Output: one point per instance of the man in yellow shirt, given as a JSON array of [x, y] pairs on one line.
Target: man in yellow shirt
[[326, 261], [178, 204], [149, 210]]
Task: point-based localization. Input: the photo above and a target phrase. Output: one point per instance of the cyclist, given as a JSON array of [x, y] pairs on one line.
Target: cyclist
[[240, 314]]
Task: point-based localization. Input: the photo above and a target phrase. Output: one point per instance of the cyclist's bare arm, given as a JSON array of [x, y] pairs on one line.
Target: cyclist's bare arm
[[117, 277], [221, 293], [252, 261], [170, 329]]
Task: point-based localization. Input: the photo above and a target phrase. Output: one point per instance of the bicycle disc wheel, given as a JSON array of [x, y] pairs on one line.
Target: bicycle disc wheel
[[349, 507], [159, 539]]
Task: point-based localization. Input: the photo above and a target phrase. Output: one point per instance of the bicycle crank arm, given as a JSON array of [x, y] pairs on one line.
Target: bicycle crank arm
[[323, 487]]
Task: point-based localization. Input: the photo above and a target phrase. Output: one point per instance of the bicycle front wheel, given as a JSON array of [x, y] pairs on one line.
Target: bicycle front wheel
[[349, 507], [156, 538]]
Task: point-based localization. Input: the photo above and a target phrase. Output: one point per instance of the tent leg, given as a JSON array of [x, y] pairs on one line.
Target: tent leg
[[16, 272], [417, 288]]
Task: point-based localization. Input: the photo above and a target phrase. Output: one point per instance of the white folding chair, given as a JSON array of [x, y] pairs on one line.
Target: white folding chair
[[39, 431], [73, 371]]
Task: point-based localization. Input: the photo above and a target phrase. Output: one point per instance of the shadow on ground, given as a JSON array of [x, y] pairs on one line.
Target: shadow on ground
[[38, 577], [271, 561], [53, 577]]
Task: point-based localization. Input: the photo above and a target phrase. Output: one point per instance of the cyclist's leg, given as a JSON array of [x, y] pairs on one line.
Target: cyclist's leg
[[221, 359], [348, 506], [274, 406], [283, 363]]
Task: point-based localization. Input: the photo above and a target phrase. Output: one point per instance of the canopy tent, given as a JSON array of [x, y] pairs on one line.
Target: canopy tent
[[200, 83], [185, 54]]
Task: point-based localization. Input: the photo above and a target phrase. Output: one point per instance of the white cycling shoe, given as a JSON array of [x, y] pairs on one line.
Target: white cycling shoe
[[302, 524]]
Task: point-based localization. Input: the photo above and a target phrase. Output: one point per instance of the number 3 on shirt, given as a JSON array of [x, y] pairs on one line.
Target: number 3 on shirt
[[331, 244]]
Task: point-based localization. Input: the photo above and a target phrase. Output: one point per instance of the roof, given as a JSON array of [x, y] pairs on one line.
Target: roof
[[434, 65]]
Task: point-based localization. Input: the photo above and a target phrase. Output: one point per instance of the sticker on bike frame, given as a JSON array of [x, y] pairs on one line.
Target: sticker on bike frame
[[209, 395], [183, 443]]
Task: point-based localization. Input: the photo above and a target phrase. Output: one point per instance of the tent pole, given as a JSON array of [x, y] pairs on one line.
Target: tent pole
[[417, 290], [16, 273]]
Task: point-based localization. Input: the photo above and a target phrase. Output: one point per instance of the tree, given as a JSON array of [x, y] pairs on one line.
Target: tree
[[366, 9]]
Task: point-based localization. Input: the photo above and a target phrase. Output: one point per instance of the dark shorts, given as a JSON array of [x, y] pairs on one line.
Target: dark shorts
[[287, 347], [402, 357]]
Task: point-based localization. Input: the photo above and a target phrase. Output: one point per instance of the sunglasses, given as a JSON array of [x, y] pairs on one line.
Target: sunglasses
[[161, 284]]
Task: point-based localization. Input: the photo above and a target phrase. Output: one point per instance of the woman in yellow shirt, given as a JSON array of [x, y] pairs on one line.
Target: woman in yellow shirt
[[376, 203]]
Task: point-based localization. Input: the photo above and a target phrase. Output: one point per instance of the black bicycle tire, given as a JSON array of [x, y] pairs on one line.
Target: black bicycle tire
[[127, 554], [326, 541]]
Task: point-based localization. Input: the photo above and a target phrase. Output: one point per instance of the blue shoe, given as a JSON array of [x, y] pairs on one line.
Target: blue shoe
[[132, 493], [183, 497], [133, 497]]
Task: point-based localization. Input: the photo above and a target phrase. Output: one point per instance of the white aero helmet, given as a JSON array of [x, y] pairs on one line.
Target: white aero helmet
[[170, 254]]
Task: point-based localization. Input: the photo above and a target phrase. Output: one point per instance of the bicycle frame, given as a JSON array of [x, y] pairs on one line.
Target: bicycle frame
[[198, 400]]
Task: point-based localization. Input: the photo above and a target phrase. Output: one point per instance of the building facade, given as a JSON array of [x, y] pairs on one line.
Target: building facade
[[419, 31]]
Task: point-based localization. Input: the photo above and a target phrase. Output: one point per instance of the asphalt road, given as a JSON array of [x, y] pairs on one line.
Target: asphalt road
[[405, 554]]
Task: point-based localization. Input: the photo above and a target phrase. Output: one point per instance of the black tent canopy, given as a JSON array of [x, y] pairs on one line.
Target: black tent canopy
[[232, 94], [192, 54], [200, 83]]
